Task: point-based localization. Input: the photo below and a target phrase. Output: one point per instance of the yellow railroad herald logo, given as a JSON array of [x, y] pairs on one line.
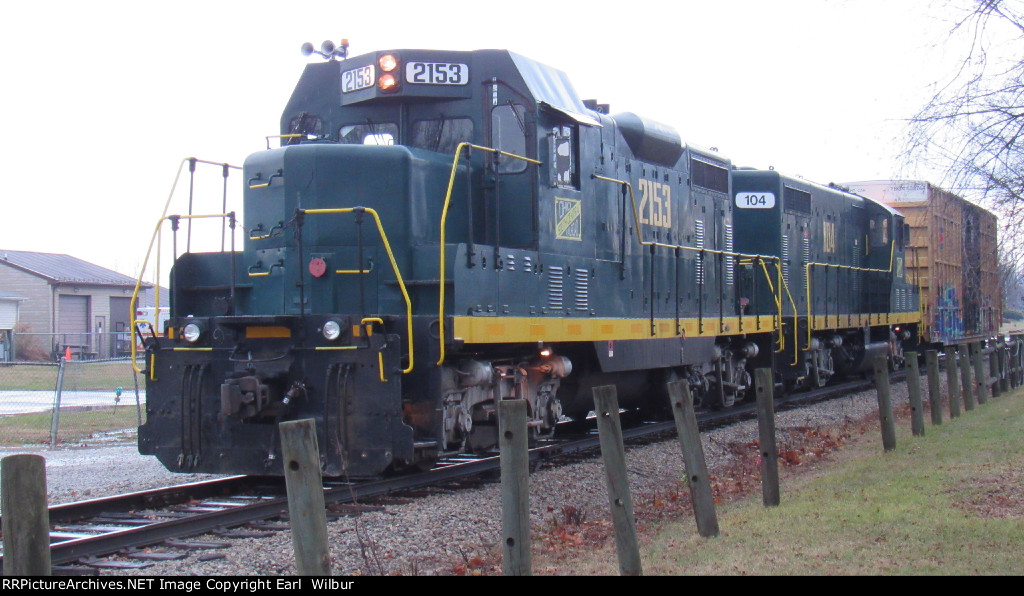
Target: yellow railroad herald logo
[[568, 219]]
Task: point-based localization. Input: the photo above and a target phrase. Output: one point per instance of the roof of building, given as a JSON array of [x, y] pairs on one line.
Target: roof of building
[[64, 268]]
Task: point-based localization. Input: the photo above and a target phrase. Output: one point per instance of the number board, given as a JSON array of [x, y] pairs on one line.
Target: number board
[[755, 200], [358, 78], [436, 73]]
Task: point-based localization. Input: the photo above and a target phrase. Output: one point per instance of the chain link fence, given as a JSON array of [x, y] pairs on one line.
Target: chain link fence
[[25, 346], [70, 401]]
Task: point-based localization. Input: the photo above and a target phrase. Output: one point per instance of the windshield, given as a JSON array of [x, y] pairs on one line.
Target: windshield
[[370, 133], [442, 135]]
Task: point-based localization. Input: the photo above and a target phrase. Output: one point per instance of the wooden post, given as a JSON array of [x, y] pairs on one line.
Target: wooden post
[[981, 389], [515, 487], [306, 512], [1018, 359], [966, 385], [26, 519], [1012, 350], [764, 387], [993, 367], [931, 359], [914, 393], [693, 456], [953, 388], [609, 428], [1004, 377], [881, 366]]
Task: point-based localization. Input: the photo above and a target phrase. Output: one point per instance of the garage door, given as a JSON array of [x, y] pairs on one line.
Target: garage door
[[73, 320]]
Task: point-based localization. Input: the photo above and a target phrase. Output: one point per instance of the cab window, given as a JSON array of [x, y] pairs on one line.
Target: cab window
[[563, 157], [508, 133], [879, 230]]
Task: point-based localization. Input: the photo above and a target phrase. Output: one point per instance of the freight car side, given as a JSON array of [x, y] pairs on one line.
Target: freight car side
[[951, 256]]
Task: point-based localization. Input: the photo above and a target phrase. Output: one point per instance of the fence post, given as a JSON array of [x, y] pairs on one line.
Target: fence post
[[1004, 378], [981, 389], [885, 403], [914, 393], [764, 387], [993, 367], [693, 455], [966, 386], [1018, 360], [953, 388], [1012, 350], [515, 487], [26, 519], [931, 358], [307, 515], [55, 419], [609, 428]]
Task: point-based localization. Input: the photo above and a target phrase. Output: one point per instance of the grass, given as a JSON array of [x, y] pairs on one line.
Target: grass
[[85, 376], [948, 503], [75, 425]]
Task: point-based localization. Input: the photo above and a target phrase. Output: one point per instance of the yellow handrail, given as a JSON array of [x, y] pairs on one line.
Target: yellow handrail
[[394, 267], [158, 237], [807, 282], [444, 220], [155, 240], [138, 282]]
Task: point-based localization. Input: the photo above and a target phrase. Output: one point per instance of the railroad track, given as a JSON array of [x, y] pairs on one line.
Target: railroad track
[[239, 506]]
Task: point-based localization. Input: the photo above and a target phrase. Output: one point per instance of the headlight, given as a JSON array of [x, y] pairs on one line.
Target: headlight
[[332, 330], [387, 83], [387, 62], [191, 332]]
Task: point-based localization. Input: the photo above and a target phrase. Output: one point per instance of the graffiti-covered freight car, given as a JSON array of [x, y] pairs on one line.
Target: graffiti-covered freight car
[[951, 256]]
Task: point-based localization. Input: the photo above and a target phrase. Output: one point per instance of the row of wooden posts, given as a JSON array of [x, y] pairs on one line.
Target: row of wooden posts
[[1005, 371], [26, 518]]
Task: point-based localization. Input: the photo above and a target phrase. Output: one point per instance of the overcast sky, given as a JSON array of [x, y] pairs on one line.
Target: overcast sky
[[104, 99]]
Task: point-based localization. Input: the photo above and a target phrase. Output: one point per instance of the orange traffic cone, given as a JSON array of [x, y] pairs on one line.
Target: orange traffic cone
[[67, 353]]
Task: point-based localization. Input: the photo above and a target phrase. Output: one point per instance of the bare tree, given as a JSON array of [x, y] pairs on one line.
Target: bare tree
[[973, 126]]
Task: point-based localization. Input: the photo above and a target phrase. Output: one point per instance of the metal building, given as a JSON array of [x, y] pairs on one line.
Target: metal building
[[68, 303]]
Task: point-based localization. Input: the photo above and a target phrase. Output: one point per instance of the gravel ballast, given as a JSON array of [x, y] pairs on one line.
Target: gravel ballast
[[436, 531]]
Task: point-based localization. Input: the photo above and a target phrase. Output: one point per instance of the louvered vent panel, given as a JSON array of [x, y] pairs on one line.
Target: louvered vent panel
[[698, 242], [582, 289], [730, 261], [785, 257], [556, 287]]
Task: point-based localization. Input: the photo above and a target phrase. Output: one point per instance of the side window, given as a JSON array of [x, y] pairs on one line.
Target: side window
[[442, 135], [563, 157], [879, 230], [305, 125], [508, 133], [378, 133]]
